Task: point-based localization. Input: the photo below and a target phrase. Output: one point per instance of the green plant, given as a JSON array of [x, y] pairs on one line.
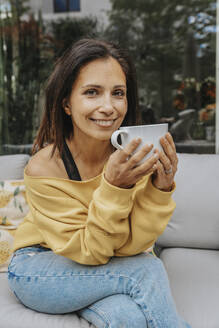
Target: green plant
[[22, 71], [27, 53], [156, 33], [66, 31]]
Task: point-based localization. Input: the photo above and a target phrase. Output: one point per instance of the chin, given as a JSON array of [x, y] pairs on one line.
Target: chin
[[103, 137]]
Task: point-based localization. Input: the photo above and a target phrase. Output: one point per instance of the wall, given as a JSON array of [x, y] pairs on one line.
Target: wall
[[88, 8]]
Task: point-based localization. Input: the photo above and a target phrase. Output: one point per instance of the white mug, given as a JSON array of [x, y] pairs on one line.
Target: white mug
[[150, 134]]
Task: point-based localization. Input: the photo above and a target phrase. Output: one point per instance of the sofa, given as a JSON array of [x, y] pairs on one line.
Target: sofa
[[189, 248]]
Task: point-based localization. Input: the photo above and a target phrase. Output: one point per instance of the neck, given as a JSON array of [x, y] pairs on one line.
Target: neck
[[90, 151]]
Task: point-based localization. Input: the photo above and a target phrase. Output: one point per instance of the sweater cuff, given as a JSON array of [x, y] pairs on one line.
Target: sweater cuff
[[157, 195], [114, 194]]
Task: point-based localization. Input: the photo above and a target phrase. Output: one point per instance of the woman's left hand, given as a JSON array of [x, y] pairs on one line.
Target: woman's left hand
[[166, 166]]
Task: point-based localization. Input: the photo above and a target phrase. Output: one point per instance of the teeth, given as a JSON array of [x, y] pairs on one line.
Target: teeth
[[104, 123]]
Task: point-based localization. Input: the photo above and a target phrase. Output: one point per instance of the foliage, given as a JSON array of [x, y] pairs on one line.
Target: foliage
[[28, 49], [156, 32], [21, 74], [191, 89], [207, 115], [67, 30], [208, 91]]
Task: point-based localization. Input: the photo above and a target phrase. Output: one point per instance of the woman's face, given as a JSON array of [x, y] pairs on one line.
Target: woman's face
[[98, 102]]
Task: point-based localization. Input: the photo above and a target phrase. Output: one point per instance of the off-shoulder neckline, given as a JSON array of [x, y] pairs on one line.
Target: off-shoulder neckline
[[41, 177]]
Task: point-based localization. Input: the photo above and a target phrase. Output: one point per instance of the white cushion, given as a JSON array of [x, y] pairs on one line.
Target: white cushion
[[12, 166], [195, 222]]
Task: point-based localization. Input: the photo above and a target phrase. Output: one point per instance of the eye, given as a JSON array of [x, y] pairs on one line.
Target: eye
[[91, 92], [119, 93]]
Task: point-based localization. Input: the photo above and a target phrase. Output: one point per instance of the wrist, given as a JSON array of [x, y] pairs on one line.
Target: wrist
[[168, 189], [118, 185], [165, 189]]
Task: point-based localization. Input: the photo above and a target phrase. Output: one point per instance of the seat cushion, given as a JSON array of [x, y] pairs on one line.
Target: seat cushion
[[15, 315], [194, 281]]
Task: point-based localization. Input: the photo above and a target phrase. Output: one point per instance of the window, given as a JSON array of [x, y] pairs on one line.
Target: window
[[174, 44], [61, 6]]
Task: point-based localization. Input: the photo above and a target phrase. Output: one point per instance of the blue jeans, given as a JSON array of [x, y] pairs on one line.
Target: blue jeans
[[129, 292]]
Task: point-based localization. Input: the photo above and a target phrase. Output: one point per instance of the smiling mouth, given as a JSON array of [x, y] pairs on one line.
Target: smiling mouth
[[103, 122]]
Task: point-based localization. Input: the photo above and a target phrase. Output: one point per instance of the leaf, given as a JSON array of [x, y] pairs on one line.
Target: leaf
[[16, 192], [20, 208], [2, 183], [15, 202], [4, 220]]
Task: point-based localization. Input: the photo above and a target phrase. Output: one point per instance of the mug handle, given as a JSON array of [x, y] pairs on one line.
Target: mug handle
[[114, 138]]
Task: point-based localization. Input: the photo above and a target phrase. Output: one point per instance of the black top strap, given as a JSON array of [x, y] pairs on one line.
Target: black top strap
[[69, 163]]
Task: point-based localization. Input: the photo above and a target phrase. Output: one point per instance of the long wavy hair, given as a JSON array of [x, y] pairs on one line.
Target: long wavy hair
[[56, 124]]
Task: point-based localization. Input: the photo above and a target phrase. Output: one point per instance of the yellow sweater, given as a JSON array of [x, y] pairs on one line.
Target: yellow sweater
[[91, 221]]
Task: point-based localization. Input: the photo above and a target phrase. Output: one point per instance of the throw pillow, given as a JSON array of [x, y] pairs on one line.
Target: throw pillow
[[6, 243], [13, 209]]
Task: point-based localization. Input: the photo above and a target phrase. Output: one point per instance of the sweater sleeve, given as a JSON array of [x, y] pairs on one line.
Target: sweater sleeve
[[82, 229], [151, 212]]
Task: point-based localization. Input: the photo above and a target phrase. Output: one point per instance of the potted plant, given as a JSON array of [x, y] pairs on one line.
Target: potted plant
[[207, 117]]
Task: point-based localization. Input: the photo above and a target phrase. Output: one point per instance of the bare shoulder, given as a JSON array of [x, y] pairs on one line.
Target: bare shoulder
[[42, 164]]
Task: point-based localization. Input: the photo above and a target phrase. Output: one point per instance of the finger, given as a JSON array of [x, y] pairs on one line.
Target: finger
[[167, 148], [148, 166], [141, 173], [165, 161], [138, 156], [129, 149], [175, 158], [169, 151], [160, 168], [170, 140]]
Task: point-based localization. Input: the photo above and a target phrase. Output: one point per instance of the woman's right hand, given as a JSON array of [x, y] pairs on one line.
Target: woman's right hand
[[123, 169]]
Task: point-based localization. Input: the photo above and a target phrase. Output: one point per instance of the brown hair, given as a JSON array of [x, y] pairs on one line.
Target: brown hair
[[56, 124]]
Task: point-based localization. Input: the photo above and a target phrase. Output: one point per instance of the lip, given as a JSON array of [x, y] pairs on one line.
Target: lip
[[102, 119], [103, 123]]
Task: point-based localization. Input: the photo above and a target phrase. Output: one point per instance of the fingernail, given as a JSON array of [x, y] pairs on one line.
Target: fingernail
[[156, 156]]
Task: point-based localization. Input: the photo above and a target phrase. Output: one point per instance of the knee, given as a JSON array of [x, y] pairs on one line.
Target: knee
[[116, 311], [127, 314], [153, 271]]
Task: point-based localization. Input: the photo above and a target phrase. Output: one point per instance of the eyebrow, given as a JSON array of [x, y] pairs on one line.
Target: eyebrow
[[99, 86]]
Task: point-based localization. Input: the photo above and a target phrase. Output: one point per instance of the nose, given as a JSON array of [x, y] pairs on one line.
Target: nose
[[107, 106]]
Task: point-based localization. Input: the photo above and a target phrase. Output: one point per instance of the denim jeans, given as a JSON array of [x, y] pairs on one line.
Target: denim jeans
[[129, 292]]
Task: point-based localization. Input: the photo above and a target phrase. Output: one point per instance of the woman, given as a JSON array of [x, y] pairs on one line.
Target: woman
[[94, 210]]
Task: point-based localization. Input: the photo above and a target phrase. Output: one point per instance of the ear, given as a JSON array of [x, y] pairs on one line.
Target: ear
[[66, 107]]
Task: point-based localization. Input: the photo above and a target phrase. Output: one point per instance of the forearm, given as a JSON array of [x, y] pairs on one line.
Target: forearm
[[88, 235], [151, 213]]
